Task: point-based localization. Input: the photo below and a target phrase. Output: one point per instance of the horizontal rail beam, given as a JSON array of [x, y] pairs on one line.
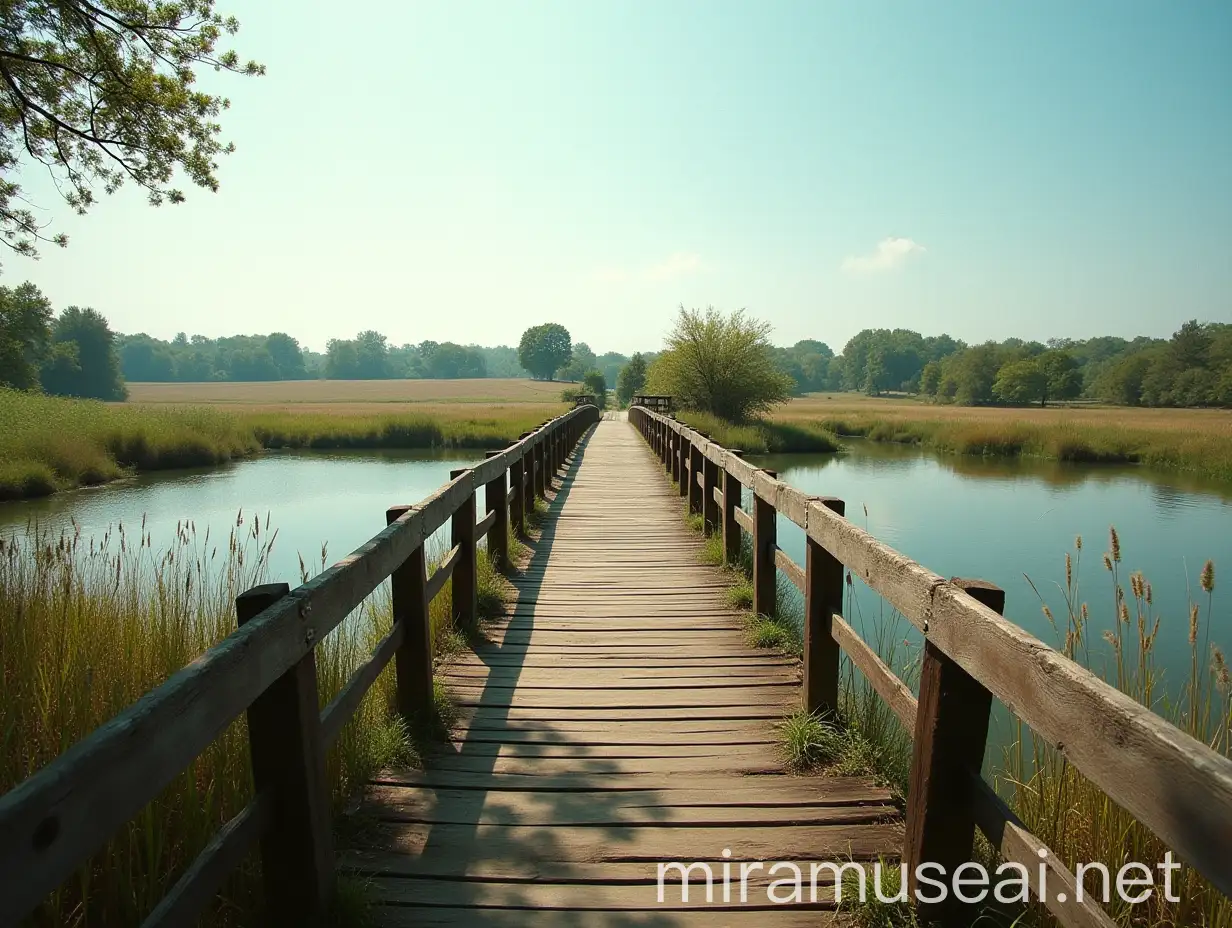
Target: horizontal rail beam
[[791, 570], [1178, 787], [744, 520], [343, 706], [443, 572], [198, 884], [895, 692], [484, 525]]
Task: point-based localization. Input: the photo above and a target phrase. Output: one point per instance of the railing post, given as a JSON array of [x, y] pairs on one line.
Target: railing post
[[951, 730], [496, 499], [517, 481], [413, 662], [679, 459], [732, 491], [288, 766], [465, 573], [710, 506], [541, 468], [823, 599], [686, 453], [765, 541], [669, 449], [695, 471]]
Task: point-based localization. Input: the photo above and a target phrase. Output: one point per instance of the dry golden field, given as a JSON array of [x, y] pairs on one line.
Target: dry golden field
[[322, 394], [855, 407]]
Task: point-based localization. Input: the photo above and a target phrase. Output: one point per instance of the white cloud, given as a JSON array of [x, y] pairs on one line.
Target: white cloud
[[889, 254], [678, 264]]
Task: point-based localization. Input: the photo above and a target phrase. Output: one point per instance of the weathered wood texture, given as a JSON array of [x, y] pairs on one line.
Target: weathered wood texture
[[609, 723], [1176, 786], [52, 822]]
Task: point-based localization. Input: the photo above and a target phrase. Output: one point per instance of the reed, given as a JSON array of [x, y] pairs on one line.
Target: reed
[[88, 625], [1070, 814]]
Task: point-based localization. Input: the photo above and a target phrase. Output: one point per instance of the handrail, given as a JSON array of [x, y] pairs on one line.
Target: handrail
[[51, 823], [1178, 787]]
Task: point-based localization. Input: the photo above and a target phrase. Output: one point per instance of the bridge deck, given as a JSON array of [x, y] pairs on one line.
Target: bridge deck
[[616, 719]]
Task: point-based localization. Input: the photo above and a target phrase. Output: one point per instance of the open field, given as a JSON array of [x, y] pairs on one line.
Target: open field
[[1194, 440], [285, 393]]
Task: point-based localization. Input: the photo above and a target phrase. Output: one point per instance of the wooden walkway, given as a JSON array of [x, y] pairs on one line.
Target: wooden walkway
[[615, 720]]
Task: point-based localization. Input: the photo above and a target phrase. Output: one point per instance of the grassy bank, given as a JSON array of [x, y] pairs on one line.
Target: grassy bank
[[52, 443], [762, 436], [89, 625], [1198, 441]]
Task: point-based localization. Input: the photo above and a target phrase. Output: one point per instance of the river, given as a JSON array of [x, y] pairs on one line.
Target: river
[[1002, 521]]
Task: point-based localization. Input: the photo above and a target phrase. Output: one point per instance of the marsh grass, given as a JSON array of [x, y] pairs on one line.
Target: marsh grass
[[88, 625], [52, 443], [1073, 816], [1199, 450], [762, 436]]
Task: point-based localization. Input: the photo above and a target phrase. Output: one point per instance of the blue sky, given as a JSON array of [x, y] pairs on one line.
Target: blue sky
[[460, 171]]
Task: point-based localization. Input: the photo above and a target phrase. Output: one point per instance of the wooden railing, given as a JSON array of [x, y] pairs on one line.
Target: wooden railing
[[1173, 784], [54, 821]]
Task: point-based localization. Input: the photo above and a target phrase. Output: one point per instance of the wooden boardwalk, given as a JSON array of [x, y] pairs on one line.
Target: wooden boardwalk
[[615, 720]]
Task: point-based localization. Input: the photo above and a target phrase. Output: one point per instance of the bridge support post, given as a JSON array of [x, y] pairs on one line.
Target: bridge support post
[[765, 542], [465, 574], [823, 599], [710, 506], [288, 766], [696, 466], [517, 481], [682, 463], [496, 499], [413, 662], [669, 449], [950, 733], [732, 491], [541, 467]]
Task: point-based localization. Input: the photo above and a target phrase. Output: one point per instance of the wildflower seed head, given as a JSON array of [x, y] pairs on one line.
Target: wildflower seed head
[[1219, 669], [1048, 613], [1069, 571], [1078, 542], [1110, 638], [1135, 584], [1114, 542], [1107, 562], [1124, 612], [1208, 577], [1193, 624], [1085, 612], [1147, 592]]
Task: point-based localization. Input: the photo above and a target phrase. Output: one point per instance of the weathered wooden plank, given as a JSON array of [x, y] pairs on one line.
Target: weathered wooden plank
[[343, 706], [744, 520], [895, 692], [444, 571], [793, 571]]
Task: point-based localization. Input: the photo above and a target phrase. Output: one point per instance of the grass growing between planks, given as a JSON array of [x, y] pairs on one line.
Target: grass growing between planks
[[762, 436], [54, 443], [88, 625]]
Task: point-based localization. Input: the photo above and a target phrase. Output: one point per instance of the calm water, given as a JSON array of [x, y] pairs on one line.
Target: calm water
[[313, 498], [1007, 521]]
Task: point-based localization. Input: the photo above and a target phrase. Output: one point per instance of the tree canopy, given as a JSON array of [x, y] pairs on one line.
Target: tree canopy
[[545, 349], [722, 364], [102, 92], [632, 378]]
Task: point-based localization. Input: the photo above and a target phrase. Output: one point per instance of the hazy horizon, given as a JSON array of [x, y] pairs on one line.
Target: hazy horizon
[[464, 172]]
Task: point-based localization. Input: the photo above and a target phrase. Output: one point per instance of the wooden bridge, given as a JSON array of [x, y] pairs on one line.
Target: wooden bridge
[[614, 719]]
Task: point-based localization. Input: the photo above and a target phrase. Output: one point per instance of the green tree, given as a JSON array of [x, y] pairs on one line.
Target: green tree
[[341, 360], [97, 374], [25, 331], [1021, 382], [287, 356], [545, 349], [596, 384], [100, 92], [1063, 379], [930, 378], [632, 379], [722, 364], [581, 362], [372, 355]]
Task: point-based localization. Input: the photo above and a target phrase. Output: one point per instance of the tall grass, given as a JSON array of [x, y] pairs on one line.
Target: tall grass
[[88, 625], [1200, 451], [53, 443], [762, 436], [1073, 816]]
